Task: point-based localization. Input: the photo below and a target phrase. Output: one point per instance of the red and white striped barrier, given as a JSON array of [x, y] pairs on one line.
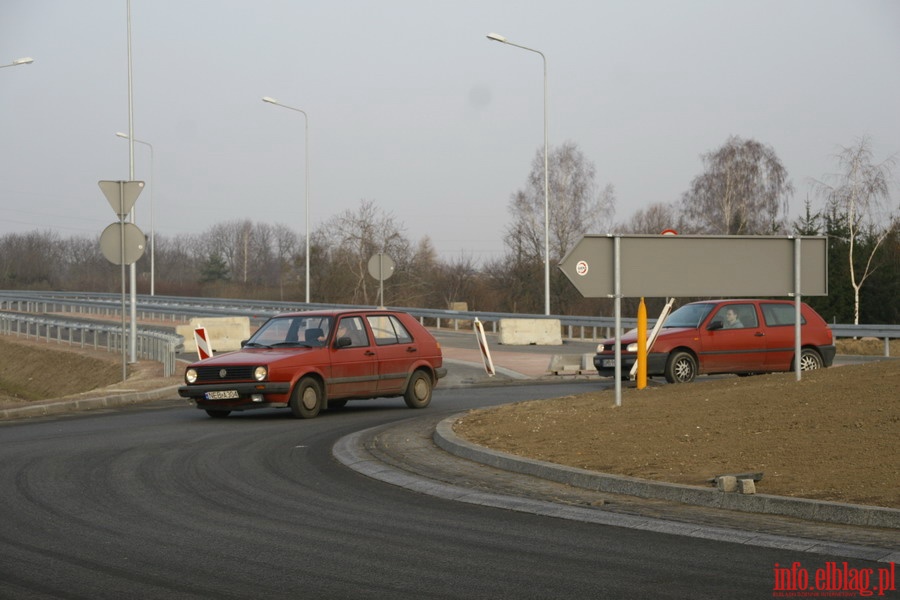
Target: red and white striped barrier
[[204, 350], [483, 346]]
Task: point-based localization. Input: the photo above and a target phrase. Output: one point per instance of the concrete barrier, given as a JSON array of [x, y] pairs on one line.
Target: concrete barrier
[[526, 332], [572, 364], [225, 333]]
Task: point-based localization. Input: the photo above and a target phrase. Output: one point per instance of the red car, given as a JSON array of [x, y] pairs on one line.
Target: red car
[[726, 336], [309, 361]]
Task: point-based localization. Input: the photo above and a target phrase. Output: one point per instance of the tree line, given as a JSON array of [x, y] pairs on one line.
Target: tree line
[[743, 190]]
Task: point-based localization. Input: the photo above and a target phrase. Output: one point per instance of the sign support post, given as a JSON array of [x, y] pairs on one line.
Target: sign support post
[[123, 247]]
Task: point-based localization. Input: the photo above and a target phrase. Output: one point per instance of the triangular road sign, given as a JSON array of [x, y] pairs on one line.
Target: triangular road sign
[[121, 194]]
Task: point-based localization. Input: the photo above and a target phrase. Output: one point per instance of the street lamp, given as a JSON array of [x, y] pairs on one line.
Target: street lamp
[[306, 152], [19, 61], [152, 230], [496, 37]]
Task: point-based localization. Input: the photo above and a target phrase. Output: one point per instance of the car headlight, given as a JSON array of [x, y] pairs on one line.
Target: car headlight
[[260, 373], [600, 347], [631, 347], [190, 376]]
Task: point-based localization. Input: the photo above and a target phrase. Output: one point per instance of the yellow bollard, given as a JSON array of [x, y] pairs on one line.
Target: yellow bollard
[[642, 346]]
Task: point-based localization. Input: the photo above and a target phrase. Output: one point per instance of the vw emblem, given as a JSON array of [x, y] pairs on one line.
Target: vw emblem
[[222, 373]]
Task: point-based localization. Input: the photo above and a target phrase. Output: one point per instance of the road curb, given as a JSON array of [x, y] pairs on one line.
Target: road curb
[[802, 508], [355, 451], [113, 400]]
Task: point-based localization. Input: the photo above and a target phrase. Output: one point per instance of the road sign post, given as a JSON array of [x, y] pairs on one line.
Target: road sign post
[[123, 243], [381, 267]]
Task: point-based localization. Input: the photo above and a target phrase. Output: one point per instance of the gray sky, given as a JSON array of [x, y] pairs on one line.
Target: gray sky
[[411, 107]]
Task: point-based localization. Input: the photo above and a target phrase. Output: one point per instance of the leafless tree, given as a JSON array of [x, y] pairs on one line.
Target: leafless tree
[[352, 238], [743, 191], [654, 219], [456, 281], [860, 193], [31, 260], [576, 207]]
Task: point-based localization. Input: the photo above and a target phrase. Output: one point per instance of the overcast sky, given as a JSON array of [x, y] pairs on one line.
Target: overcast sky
[[412, 108]]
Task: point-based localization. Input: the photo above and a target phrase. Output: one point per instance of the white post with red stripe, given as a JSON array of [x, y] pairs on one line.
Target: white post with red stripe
[[204, 350], [485, 351]]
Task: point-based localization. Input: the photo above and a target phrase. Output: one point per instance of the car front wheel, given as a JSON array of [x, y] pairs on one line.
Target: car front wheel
[[418, 392], [306, 401], [681, 368]]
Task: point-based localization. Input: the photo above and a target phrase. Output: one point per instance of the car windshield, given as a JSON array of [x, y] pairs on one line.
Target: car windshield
[[291, 331], [689, 315]]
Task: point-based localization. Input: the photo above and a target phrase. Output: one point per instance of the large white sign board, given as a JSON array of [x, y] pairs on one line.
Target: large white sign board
[[667, 266]]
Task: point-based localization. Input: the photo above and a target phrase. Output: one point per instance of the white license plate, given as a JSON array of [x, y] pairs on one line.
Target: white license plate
[[608, 362], [223, 395]]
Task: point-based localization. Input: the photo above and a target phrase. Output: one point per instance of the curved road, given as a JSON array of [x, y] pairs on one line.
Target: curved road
[[164, 502]]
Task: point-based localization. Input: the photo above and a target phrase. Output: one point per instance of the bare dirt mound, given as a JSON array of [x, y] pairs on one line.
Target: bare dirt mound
[[832, 436]]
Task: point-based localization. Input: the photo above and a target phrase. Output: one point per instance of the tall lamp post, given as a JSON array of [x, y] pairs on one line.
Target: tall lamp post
[[306, 152], [19, 61], [152, 230], [499, 38]]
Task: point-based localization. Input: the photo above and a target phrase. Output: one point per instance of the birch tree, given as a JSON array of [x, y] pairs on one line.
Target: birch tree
[[859, 193], [576, 207], [743, 191]]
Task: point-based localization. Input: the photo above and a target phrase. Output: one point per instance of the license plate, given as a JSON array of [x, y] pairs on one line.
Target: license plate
[[223, 395], [608, 362]]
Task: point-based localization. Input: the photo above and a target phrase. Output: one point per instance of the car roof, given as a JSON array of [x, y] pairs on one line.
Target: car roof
[[733, 300], [334, 312]]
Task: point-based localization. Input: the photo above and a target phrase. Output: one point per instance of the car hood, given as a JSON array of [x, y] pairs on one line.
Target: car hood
[[631, 336], [255, 356]]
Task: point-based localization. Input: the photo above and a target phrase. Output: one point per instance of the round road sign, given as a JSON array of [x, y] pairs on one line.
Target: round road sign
[[381, 266], [581, 268], [111, 243]]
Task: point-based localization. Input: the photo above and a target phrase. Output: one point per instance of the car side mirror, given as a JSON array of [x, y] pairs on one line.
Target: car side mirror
[[715, 325], [343, 342], [244, 343]]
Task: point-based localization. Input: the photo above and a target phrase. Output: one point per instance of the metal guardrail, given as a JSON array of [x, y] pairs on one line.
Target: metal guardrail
[[153, 345], [179, 309]]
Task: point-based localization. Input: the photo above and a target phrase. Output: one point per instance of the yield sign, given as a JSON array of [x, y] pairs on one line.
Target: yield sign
[[121, 195]]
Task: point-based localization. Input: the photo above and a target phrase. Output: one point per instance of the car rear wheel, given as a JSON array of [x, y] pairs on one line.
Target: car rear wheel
[[306, 401], [681, 367], [418, 392], [810, 360]]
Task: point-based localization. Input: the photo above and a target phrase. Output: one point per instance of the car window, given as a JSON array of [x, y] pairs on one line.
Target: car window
[[689, 315], [388, 330], [292, 330], [736, 316], [780, 314], [353, 328], [273, 331]]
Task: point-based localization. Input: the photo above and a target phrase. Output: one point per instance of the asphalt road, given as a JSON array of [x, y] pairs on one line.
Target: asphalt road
[[163, 502]]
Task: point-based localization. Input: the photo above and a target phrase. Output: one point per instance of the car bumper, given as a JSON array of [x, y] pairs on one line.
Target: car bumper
[[828, 353], [606, 363], [244, 390]]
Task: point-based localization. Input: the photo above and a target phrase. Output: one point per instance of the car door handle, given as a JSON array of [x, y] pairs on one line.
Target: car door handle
[[369, 353], [412, 349], [759, 334]]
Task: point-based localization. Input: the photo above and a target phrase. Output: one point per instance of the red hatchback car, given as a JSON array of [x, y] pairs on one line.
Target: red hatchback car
[[726, 336], [309, 361]]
